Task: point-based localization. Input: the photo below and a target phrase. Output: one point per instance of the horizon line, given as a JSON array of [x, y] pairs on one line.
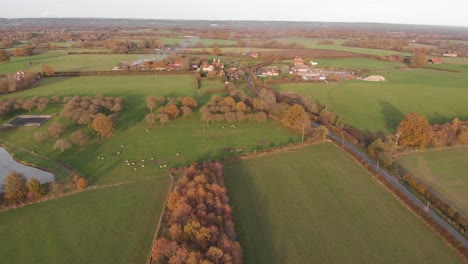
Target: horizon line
[[241, 20]]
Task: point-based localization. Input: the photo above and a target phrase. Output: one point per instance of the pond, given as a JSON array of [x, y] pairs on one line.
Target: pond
[[8, 164]]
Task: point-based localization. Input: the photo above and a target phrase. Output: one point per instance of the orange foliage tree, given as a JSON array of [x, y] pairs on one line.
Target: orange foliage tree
[[103, 125], [189, 102], [198, 226], [414, 131], [295, 116]]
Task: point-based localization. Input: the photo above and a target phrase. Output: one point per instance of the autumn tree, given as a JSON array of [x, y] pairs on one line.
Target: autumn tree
[[103, 125], [14, 186], [419, 58], [189, 102], [79, 137], [40, 136], [62, 144], [414, 131], [267, 97], [463, 136], [48, 70], [81, 184], [172, 111], [230, 101], [4, 57], [151, 103], [326, 118], [150, 120], [295, 117], [56, 129], [241, 107], [35, 189], [163, 118], [23, 51], [186, 111], [216, 50]]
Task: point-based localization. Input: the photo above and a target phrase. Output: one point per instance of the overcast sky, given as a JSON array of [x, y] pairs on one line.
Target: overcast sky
[[430, 12]]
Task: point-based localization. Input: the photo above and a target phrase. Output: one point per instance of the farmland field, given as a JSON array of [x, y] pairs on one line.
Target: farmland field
[[317, 205], [445, 172], [358, 64], [439, 95], [187, 136], [111, 225], [63, 62], [193, 41], [311, 43]]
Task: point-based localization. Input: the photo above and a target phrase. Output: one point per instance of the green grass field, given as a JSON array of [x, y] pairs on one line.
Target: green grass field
[[445, 172], [193, 41], [110, 225], [317, 205], [186, 136], [63, 62], [358, 64], [115, 225], [439, 95], [311, 43]]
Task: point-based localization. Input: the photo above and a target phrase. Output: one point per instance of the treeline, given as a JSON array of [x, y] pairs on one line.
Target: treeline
[[220, 109], [16, 190], [449, 212], [170, 111], [9, 106], [401, 45], [415, 132], [198, 226], [15, 83], [83, 110], [98, 112]]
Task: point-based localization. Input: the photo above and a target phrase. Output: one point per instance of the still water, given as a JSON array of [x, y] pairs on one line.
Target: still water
[[8, 164]]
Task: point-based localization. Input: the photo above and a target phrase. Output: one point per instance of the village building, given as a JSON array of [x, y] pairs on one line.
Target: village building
[[298, 61], [254, 54], [269, 71], [435, 61], [450, 54]]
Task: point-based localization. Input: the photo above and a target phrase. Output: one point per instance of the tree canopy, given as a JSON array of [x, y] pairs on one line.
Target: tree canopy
[[414, 131], [103, 125]]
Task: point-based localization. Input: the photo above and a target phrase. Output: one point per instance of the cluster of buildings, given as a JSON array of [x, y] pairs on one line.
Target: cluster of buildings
[[305, 71], [18, 76]]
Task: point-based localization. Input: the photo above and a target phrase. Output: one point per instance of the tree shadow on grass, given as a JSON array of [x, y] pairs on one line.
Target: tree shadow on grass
[[260, 240], [392, 115]]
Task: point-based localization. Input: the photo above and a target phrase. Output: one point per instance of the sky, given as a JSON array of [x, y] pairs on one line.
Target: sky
[[426, 12]]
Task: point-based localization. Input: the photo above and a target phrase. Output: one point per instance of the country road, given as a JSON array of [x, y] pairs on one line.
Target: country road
[[398, 185]]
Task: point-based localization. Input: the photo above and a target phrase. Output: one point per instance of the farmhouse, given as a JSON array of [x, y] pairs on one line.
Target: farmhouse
[[298, 61], [435, 61], [254, 54], [269, 71], [207, 67], [299, 69], [450, 54]]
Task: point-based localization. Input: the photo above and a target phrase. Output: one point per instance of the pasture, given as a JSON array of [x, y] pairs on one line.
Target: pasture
[[109, 225], [445, 172], [439, 95], [317, 205], [157, 147], [311, 43], [358, 64], [61, 61]]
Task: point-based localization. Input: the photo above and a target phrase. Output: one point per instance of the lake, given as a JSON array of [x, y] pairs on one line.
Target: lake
[[8, 164]]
